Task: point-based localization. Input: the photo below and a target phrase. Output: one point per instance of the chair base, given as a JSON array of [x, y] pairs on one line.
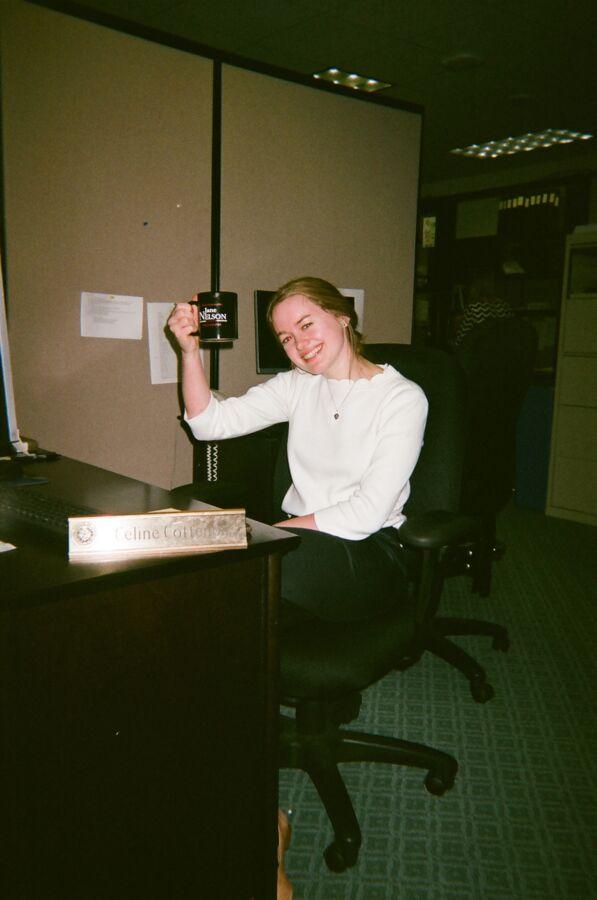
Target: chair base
[[314, 743], [436, 641]]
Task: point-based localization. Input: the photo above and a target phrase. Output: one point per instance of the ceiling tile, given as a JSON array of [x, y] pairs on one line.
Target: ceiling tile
[[331, 40], [408, 21], [542, 48], [234, 24]]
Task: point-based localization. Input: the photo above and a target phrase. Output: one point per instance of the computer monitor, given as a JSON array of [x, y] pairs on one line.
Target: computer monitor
[[10, 441]]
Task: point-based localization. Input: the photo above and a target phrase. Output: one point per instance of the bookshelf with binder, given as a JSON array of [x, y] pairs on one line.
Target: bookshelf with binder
[[518, 233], [531, 229]]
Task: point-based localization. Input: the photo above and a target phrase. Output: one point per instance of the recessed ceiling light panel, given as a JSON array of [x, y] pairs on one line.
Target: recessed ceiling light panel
[[522, 143], [351, 80]]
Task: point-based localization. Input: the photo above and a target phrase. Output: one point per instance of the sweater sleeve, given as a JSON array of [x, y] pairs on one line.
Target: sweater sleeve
[[262, 405], [384, 485]]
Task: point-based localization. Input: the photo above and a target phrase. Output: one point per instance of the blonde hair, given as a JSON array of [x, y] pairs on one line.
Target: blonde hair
[[327, 297]]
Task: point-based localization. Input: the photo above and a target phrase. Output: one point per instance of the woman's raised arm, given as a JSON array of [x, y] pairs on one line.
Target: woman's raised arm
[[184, 323]]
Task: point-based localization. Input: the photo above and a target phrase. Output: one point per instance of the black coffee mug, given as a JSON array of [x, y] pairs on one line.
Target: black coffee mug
[[217, 316]]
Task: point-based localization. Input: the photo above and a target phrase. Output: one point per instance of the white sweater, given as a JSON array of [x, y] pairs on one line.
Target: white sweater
[[352, 472]]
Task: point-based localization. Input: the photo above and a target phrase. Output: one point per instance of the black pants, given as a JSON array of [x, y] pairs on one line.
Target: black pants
[[331, 578]]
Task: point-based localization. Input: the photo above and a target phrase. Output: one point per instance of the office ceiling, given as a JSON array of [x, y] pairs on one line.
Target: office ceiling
[[532, 68]]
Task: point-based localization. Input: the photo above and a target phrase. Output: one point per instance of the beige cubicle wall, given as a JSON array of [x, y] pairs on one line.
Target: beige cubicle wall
[[107, 188], [315, 184], [107, 154]]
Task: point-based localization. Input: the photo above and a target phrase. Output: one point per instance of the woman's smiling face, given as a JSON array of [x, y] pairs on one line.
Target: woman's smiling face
[[313, 338]]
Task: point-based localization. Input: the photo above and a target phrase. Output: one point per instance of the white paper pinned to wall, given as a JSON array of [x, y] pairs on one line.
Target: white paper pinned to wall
[[163, 360], [111, 316]]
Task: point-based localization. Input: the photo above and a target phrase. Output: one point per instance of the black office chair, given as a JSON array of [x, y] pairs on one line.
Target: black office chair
[[497, 360], [326, 666]]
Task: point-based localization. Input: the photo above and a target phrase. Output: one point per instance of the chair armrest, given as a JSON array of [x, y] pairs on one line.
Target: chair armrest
[[437, 529]]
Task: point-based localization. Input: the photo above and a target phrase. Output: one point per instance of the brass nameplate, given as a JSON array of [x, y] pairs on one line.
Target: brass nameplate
[[160, 532]]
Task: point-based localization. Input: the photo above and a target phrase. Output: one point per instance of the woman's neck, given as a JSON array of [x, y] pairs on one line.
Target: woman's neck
[[357, 367], [362, 368]]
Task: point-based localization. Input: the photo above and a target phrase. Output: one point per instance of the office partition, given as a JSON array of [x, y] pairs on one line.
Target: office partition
[[107, 151], [315, 183], [107, 145]]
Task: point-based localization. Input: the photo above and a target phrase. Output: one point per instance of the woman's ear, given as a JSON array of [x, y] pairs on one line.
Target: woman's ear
[[344, 321]]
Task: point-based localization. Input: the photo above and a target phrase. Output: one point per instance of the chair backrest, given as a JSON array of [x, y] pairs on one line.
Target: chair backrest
[[436, 481], [497, 357]]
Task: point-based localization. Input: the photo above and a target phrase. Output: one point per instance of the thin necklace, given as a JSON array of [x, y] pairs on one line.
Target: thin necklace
[[338, 407]]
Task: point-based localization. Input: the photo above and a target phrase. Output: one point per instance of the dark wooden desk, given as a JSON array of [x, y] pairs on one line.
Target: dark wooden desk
[[138, 712]]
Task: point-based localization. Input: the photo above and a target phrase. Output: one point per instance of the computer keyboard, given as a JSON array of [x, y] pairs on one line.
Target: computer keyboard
[[29, 504]]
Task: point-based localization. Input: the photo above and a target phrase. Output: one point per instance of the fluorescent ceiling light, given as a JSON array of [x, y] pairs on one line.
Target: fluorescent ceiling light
[[523, 143], [351, 80]]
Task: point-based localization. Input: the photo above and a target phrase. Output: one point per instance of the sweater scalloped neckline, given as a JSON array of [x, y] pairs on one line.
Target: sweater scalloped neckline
[[384, 368]]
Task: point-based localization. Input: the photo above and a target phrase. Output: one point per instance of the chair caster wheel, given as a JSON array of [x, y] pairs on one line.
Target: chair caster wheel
[[339, 857], [481, 691], [435, 784], [441, 779]]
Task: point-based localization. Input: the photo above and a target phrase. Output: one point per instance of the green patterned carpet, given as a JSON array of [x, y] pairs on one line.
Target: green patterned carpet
[[520, 820]]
